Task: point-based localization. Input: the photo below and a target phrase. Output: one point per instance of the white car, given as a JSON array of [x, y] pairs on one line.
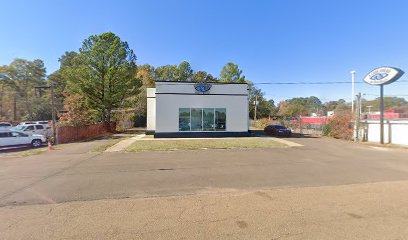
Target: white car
[[5, 125], [31, 129], [13, 138], [34, 122], [26, 123]]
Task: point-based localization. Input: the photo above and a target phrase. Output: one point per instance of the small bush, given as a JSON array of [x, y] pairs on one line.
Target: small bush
[[339, 126], [77, 112], [262, 123]]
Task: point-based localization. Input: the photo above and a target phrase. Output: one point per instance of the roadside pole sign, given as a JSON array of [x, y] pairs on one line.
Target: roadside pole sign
[[383, 76]]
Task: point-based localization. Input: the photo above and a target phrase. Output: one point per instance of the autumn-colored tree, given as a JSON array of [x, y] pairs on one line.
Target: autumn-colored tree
[[339, 126], [147, 75], [200, 76], [77, 112]]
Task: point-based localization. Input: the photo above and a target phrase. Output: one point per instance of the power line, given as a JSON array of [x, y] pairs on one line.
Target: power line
[[386, 95], [275, 83], [313, 83]]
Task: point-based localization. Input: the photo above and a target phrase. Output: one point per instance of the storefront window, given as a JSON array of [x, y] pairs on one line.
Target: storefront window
[[220, 119], [208, 119], [202, 119], [196, 119], [184, 119]]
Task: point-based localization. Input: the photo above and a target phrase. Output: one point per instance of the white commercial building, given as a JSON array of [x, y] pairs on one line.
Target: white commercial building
[[186, 109]]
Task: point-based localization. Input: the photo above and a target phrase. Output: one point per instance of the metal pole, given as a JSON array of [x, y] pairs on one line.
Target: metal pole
[[382, 114], [54, 117], [256, 101], [353, 73], [357, 118]]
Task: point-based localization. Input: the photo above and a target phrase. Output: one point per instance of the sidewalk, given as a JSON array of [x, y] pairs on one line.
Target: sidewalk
[[120, 146]]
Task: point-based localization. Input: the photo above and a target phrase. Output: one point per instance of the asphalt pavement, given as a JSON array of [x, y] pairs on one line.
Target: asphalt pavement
[[325, 189], [74, 174]]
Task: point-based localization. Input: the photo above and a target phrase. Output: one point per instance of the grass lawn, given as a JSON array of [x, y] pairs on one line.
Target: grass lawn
[[25, 152], [33, 151], [193, 144]]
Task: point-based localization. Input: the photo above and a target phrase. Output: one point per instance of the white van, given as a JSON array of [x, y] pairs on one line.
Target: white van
[[13, 138], [31, 129]]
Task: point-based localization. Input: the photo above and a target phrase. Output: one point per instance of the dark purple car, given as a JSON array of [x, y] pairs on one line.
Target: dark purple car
[[278, 130]]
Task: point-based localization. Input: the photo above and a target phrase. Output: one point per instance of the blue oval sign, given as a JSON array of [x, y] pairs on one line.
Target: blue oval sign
[[383, 75], [202, 87]]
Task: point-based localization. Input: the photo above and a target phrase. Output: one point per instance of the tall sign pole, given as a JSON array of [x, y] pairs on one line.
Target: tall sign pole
[[383, 76], [382, 114]]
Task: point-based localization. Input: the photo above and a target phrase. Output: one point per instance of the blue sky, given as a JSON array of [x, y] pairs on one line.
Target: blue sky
[[271, 41]]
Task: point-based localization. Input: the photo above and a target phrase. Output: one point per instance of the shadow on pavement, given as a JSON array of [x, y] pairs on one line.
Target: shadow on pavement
[[261, 133], [17, 149], [134, 131]]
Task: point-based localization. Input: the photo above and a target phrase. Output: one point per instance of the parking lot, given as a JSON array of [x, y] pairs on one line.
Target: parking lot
[[76, 174]]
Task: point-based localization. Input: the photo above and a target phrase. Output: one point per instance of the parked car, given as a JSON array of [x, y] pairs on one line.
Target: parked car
[[278, 130], [31, 129], [26, 123], [5, 125], [14, 138], [34, 122]]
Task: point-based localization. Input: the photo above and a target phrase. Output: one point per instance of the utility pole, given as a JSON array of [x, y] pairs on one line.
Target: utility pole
[[369, 109], [357, 117], [256, 103], [353, 73], [53, 112]]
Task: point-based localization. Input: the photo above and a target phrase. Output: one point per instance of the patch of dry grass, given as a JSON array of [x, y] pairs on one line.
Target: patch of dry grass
[[195, 144]]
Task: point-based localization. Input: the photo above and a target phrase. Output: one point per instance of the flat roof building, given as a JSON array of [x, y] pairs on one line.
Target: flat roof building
[[188, 109]]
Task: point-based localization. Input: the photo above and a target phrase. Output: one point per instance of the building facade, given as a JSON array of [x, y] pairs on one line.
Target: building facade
[[186, 109]]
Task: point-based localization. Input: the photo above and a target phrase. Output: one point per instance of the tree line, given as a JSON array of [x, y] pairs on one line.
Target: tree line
[[93, 83], [101, 82]]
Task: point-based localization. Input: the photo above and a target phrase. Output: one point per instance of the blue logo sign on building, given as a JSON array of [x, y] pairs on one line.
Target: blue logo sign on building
[[202, 87]]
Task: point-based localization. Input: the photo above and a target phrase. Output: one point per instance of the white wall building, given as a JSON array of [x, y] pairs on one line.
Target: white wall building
[[395, 131], [186, 109]]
